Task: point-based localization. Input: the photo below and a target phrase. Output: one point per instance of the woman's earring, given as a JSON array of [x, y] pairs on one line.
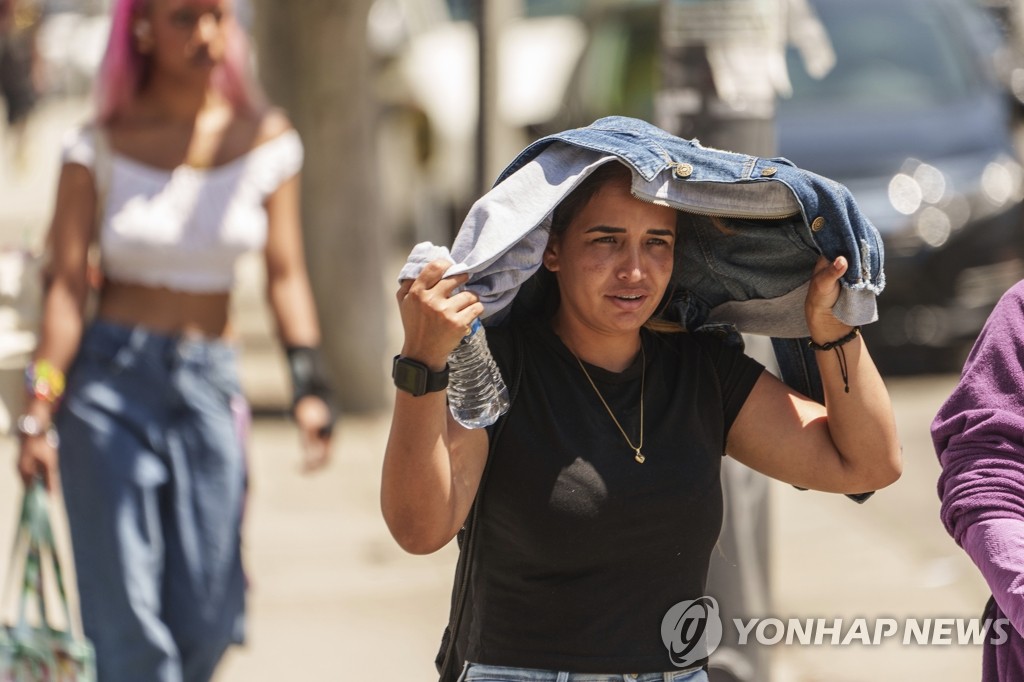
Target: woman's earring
[[143, 32]]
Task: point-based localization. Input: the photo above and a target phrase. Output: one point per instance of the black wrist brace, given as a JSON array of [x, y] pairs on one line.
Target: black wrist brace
[[309, 377]]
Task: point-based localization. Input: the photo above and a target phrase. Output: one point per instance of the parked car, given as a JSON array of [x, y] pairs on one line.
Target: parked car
[[912, 118], [1009, 16]]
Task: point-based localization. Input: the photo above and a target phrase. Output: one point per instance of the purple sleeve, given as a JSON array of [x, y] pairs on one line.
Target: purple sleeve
[[979, 437], [997, 547]]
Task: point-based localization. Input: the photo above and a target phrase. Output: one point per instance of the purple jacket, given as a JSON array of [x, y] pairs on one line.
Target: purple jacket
[[979, 437]]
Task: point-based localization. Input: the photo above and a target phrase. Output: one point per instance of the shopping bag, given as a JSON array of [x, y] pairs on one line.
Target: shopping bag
[[40, 652]]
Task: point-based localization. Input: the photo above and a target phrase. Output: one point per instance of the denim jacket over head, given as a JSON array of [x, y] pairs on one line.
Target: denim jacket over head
[[750, 277]]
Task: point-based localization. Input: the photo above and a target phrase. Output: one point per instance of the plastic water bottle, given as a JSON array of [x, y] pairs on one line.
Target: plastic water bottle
[[477, 394]]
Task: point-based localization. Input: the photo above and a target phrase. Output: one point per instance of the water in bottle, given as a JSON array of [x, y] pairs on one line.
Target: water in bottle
[[477, 394]]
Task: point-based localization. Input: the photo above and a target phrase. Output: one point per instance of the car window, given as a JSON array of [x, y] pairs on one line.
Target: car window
[[897, 54]]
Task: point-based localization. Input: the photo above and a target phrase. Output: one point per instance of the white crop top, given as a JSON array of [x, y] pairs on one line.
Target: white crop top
[[184, 229]]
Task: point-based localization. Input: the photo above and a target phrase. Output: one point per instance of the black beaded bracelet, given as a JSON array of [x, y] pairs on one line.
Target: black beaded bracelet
[[837, 346], [854, 333]]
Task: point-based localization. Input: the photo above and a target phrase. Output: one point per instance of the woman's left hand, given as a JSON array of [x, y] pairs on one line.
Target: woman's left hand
[[847, 443], [822, 294], [313, 418]]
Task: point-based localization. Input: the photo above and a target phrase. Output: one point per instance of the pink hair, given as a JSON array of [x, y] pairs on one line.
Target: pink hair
[[123, 68]]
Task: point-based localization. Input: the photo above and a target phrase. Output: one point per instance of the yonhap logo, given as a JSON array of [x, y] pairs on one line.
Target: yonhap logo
[[691, 630]]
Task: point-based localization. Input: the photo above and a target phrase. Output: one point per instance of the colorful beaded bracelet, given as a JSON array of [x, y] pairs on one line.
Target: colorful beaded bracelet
[[44, 381]]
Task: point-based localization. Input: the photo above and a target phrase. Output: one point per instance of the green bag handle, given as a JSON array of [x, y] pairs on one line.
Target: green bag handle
[[40, 651], [34, 539]]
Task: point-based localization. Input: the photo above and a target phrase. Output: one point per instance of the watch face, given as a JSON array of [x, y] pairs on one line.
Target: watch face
[[410, 377]]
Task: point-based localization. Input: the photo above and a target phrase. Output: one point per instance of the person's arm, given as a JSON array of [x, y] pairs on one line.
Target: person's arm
[[432, 465], [63, 304], [848, 445], [977, 435], [996, 546], [291, 302]]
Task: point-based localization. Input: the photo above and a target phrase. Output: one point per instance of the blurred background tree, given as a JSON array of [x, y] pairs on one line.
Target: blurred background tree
[[314, 62]]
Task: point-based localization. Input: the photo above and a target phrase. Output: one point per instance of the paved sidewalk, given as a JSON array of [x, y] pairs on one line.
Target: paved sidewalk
[[333, 597]]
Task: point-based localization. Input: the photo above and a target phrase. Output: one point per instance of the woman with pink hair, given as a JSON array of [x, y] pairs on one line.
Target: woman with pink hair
[[184, 169]]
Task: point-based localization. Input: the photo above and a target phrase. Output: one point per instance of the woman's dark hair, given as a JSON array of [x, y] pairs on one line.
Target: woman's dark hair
[[571, 205], [539, 294]]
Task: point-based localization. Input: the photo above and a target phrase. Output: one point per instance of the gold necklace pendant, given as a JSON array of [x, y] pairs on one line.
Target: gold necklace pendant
[[638, 456]]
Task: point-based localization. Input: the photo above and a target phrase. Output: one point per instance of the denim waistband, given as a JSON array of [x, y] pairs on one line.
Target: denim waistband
[[487, 673], [163, 348]]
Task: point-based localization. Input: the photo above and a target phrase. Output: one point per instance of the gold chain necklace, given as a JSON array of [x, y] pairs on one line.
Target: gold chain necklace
[[638, 456]]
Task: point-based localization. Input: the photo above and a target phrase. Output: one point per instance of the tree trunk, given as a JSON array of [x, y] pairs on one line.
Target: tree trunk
[[314, 63]]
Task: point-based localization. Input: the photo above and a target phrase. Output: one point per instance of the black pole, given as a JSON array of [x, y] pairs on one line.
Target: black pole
[[483, 98]]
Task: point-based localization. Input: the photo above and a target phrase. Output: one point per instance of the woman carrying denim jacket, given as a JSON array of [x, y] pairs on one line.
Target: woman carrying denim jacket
[[603, 502]]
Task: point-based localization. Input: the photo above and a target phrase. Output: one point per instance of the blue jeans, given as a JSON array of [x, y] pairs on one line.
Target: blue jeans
[[153, 472], [476, 672]]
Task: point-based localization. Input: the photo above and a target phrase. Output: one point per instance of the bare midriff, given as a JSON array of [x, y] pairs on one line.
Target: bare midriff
[[165, 311]]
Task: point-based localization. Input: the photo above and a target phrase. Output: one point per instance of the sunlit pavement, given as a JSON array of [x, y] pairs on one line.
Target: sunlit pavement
[[888, 558]]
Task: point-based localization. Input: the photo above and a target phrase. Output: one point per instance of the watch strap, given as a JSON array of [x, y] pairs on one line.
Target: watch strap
[[434, 381]]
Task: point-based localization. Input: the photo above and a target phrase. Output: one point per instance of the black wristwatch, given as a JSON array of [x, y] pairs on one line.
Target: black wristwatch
[[416, 378]]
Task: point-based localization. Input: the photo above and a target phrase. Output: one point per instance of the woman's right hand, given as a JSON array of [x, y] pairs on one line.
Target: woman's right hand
[[37, 457], [432, 466], [313, 419], [434, 319]]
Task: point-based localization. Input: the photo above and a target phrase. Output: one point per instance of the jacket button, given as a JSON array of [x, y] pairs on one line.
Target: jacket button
[[769, 171], [683, 170], [817, 224]]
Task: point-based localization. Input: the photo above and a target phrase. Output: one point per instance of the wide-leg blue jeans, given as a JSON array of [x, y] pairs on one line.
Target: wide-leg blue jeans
[[153, 473]]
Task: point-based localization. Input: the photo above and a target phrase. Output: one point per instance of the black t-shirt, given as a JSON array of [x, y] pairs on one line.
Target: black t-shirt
[[582, 550]]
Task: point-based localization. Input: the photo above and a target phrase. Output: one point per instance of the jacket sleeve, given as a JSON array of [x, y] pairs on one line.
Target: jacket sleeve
[[979, 438]]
